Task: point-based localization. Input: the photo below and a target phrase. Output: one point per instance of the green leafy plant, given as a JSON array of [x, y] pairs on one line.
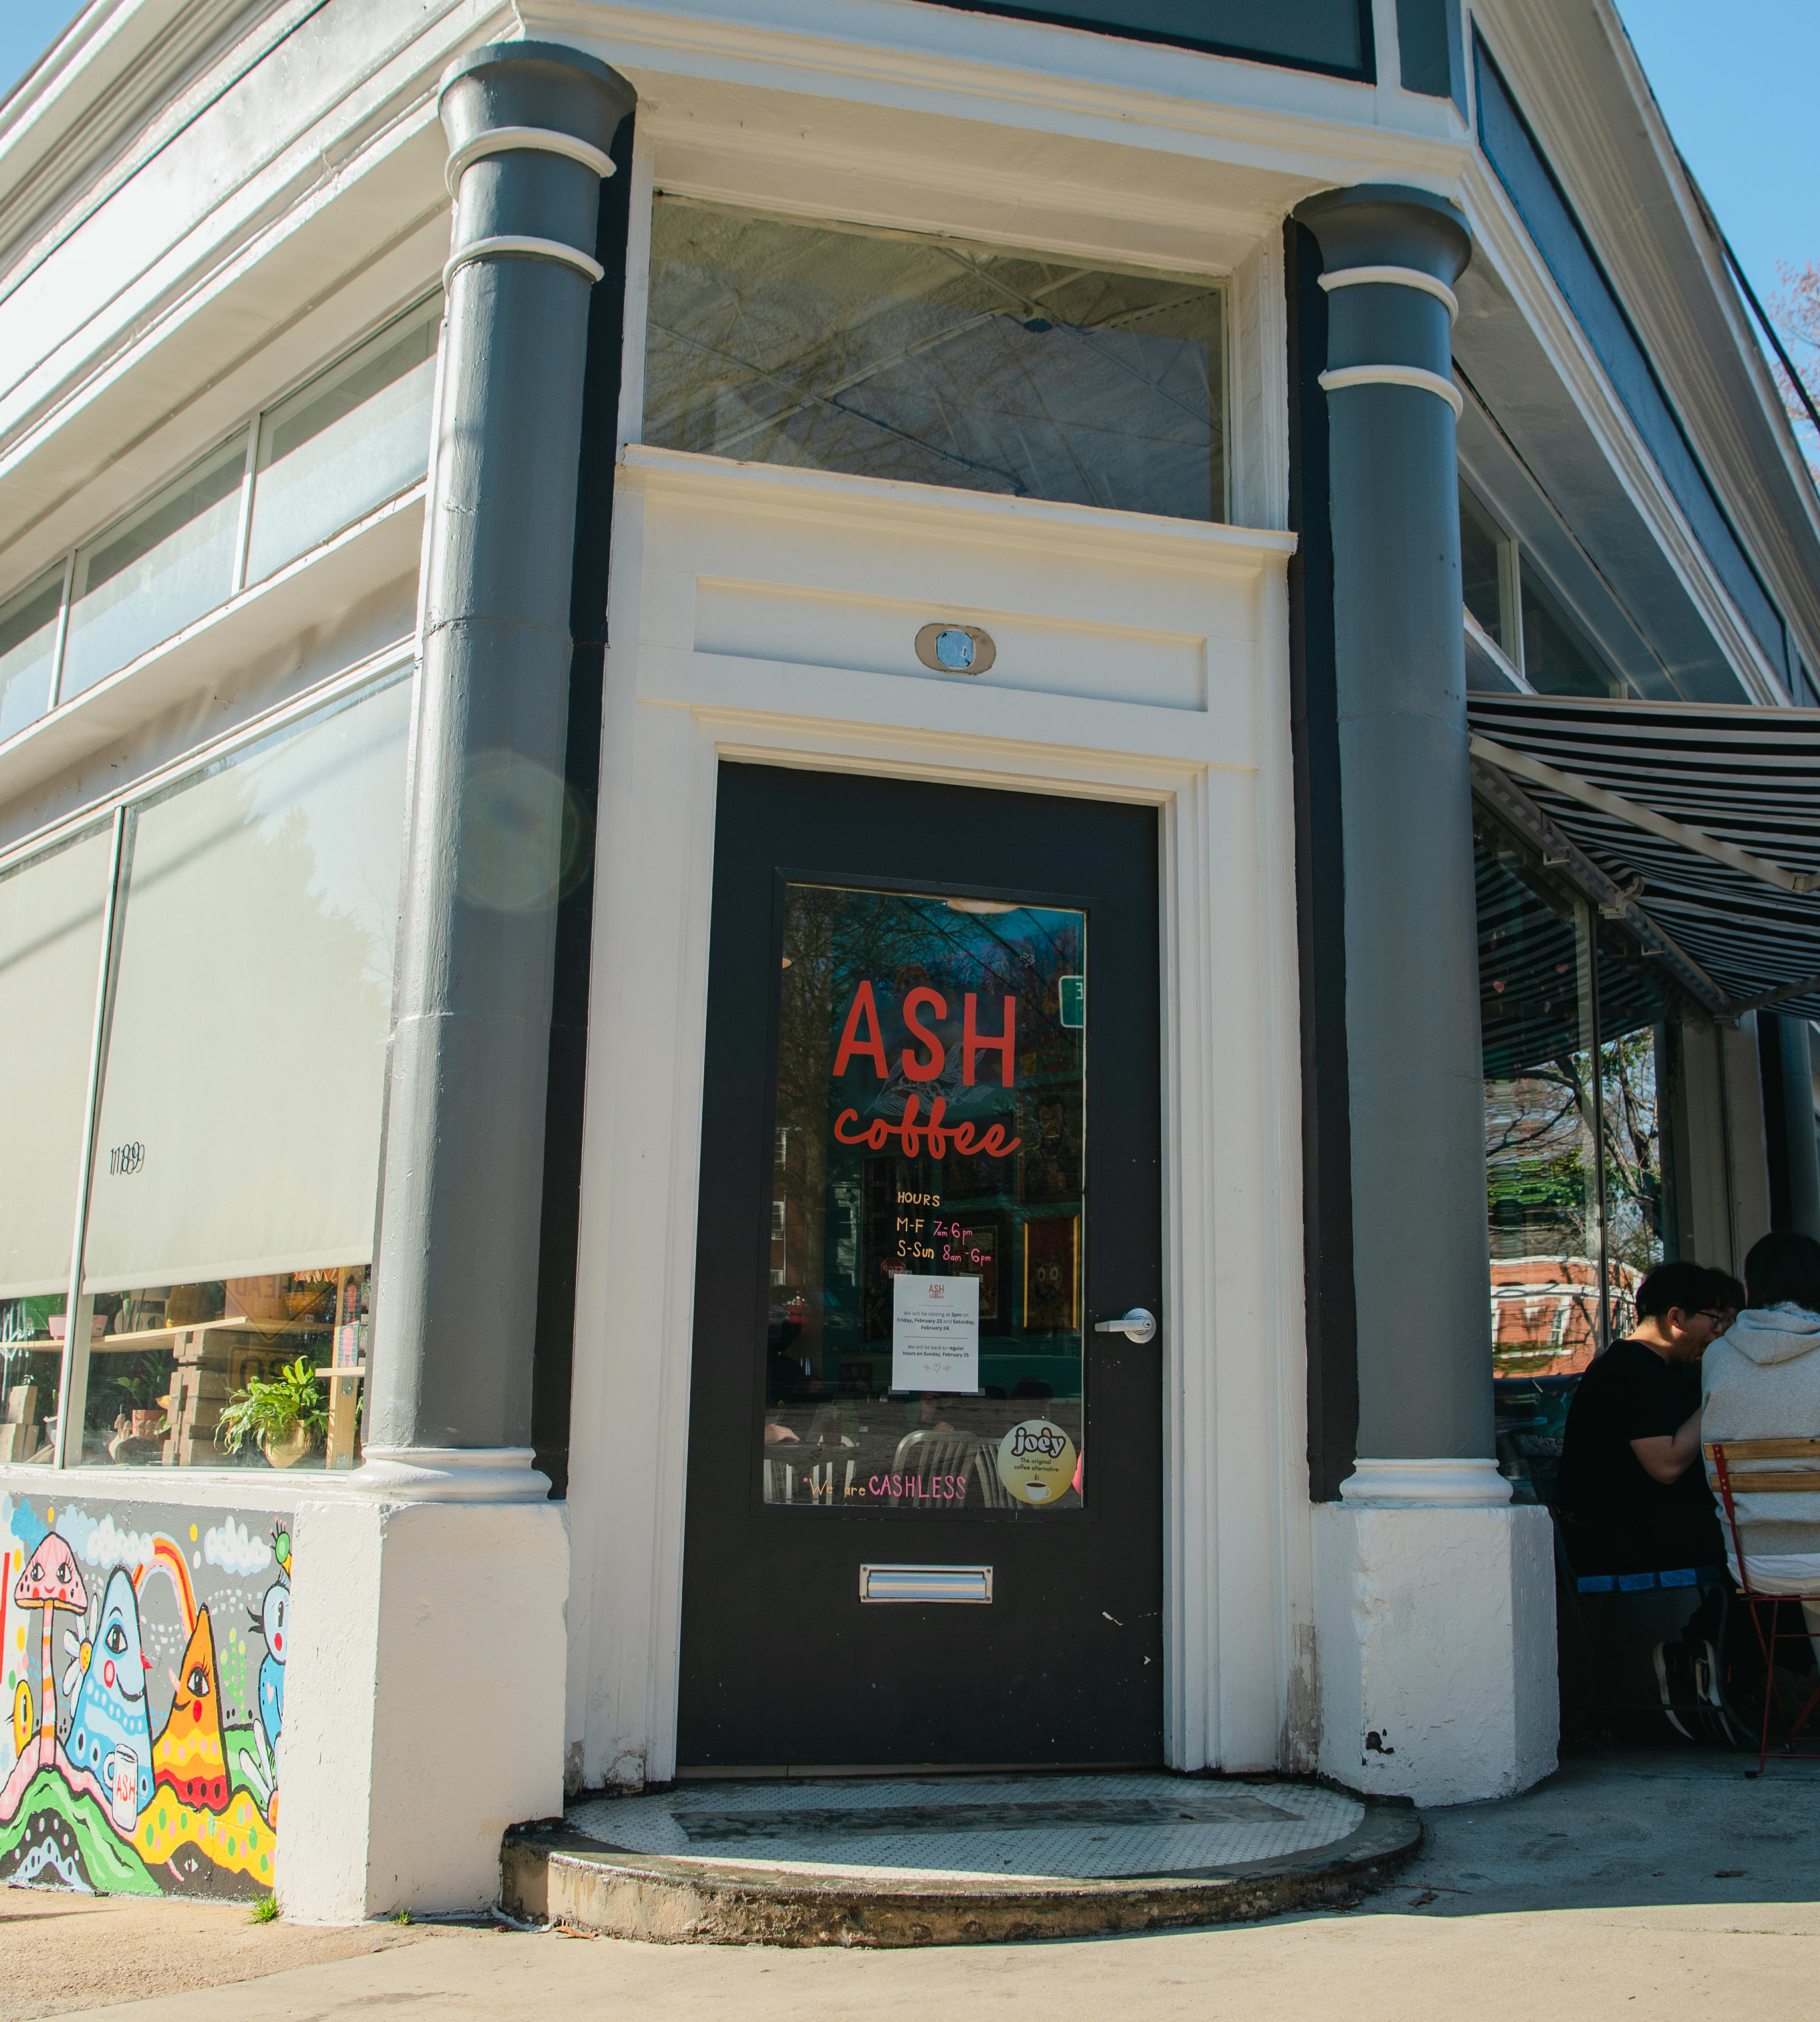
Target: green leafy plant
[[269, 1409], [145, 1380], [264, 1911]]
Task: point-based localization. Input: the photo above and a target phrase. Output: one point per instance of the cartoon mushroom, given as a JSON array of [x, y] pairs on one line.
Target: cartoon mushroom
[[49, 1581]]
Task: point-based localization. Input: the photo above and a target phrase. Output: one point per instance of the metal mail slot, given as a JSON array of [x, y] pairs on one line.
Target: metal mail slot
[[971, 1584]]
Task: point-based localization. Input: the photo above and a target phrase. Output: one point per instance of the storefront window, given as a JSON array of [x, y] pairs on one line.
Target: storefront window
[[1482, 570], [1632, 1043], [53, 912], [1557, 659], [351, 439], [172, 561], [1578, 1038], [938, 362], [1542, 1155], [236, 1161], [923, 1274], [28, 652]]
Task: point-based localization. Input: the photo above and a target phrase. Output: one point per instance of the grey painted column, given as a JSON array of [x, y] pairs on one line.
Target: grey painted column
[[449, 1405], [1804, 1145], [1420, 1263], [1795, 1087]]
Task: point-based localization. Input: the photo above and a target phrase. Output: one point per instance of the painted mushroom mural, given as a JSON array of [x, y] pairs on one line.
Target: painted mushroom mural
[[49, 1581], [109, 1784]]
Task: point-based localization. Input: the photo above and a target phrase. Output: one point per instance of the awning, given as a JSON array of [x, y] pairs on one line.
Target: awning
[[1700, 823]]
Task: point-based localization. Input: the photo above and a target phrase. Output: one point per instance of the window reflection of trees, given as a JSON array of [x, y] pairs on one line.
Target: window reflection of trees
[[1564, 1131]]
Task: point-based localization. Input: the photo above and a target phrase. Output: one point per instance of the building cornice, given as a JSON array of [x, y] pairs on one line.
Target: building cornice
[[1581, 87], [1505, 248], [122, 78], [1003, 70]]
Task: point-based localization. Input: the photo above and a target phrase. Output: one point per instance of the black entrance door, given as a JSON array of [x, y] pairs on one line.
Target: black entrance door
[[924, 1493]]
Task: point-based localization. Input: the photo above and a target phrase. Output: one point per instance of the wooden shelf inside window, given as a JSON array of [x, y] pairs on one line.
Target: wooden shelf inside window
[[146, 1338]]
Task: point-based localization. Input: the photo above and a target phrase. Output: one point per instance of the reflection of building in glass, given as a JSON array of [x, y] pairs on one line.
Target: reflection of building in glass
[[1575, 1030], [1544, 1314]]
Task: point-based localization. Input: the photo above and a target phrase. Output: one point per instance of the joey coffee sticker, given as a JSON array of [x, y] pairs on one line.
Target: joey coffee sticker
[[1036, 1460]]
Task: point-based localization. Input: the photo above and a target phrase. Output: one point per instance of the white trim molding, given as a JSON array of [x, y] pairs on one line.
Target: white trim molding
[[545, 140], [1425, 1484], [768, 614], [443, 1474], [1343, 376], [522, 245], [1395, 277]]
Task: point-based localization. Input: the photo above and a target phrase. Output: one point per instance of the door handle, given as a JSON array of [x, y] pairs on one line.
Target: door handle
[[1138, 1325]]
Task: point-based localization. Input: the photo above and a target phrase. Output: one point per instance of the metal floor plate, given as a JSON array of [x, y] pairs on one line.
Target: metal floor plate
[[1069, 1827]]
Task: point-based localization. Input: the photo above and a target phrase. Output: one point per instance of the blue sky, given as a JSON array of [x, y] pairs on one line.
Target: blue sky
[[1735, 80], [1734, 76], [27, 28]]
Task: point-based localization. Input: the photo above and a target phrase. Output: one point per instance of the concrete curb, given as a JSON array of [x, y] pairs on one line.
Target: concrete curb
[[585, 1884]]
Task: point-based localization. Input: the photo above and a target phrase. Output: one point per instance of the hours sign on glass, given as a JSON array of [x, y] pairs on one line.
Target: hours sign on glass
[[922, 1349]]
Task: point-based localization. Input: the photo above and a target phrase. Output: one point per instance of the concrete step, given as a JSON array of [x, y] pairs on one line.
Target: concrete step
[[888, 1861]]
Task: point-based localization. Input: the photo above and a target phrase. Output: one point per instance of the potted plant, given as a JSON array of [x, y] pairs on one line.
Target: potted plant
[[285, 1414]]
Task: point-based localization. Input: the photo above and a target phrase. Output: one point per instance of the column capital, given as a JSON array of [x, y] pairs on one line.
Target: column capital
[[533, 86], [1389, 224], [1389, 256]]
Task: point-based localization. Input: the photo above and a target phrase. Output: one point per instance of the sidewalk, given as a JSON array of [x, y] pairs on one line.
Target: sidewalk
[[1646, 1884]]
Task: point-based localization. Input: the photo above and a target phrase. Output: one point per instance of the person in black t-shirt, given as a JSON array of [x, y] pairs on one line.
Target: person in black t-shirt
[[1633, 1493]]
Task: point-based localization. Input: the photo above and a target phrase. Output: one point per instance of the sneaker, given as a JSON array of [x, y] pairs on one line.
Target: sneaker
[[1673, 1657], [1716, 1718]]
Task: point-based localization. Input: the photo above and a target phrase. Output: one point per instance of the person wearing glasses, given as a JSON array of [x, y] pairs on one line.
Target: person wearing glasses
[[1633, 1493]]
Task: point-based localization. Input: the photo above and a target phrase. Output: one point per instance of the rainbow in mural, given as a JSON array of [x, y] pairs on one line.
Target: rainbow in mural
[[142, 1661]]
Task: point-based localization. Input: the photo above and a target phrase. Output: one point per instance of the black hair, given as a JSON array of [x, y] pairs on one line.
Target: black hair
[[1784, 1269], [1688, 1286], [1728, 1294]]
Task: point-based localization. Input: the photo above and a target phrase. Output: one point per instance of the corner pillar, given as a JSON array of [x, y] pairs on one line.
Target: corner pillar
[[1434, 1604], [399, 1770]]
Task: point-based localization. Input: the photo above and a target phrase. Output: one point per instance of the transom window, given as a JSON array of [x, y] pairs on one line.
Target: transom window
[[883, 355]]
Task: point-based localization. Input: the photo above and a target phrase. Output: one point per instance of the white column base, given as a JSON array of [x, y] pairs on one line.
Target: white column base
[[423, 1700], [448, 1474], [1434, 1639], [1424, 1483]]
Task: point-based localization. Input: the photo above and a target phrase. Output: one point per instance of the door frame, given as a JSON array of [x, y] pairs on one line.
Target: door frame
[[1238, 1610]]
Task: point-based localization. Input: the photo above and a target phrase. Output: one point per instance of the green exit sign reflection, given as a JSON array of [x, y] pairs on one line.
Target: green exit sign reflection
[[1074, 1002]]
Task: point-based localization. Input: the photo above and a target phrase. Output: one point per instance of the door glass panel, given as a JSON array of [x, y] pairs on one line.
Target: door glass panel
[[924, 1265]]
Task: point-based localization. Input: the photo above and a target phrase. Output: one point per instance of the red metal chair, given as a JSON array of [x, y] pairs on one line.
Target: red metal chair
[[1722, 1456]]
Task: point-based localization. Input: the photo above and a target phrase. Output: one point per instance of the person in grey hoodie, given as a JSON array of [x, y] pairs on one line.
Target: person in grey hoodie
[[1761, 1380]]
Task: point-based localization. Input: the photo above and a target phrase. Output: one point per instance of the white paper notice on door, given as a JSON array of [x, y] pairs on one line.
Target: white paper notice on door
[[935, 1334]]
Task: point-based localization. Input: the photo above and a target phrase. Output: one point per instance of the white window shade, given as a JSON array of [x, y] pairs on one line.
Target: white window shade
[[52, 915], [346, 442], [240, 1130], [173, 560]]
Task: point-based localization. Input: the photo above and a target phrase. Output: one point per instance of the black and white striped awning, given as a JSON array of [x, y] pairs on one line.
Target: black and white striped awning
[[1700, 823]]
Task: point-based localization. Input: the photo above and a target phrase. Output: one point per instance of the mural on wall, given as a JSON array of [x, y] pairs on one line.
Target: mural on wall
[[142, 1663]]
